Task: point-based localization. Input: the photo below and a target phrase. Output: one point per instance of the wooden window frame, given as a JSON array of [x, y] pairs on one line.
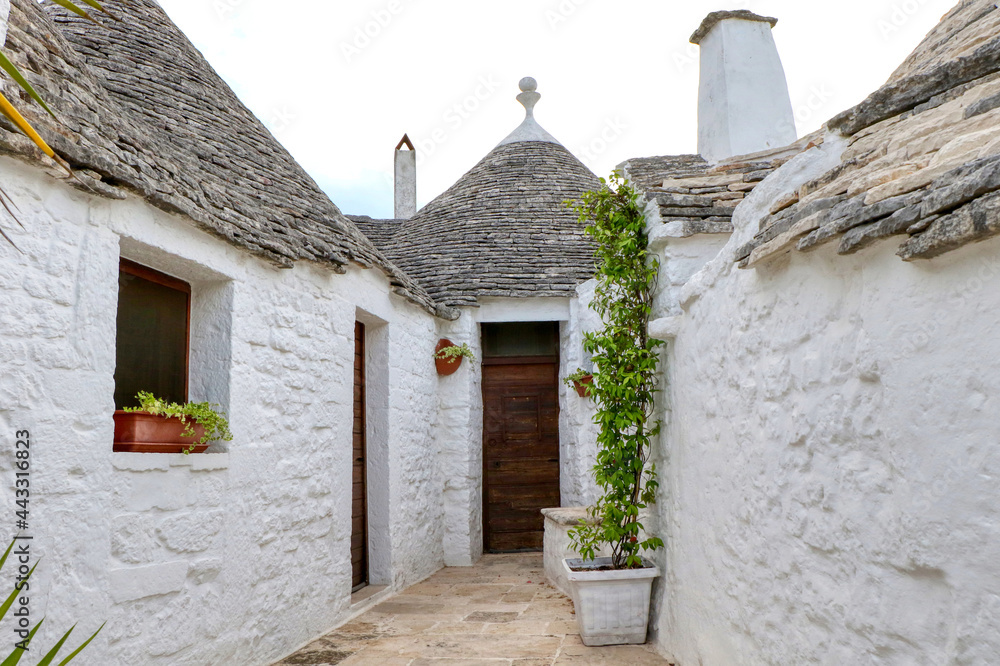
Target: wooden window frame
[[146, 273]]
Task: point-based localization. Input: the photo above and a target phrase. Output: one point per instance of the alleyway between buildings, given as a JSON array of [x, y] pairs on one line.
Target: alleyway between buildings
[[499, 612]]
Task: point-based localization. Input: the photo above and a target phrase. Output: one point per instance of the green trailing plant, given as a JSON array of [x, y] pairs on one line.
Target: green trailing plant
[[624, 386], [25, 645], [216, 426], [579, 378], [455, 351]]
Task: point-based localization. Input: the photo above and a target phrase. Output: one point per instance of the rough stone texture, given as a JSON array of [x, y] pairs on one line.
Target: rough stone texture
[[558, 523], [829, 451], [932, 133], [714, 18], [502, 229], [499, 612], [262, 528], [646, 173], [143, 111], [379, 232], [696, 198]]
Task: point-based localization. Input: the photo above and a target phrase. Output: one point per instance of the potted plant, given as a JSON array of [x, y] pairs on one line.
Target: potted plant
[[448, 356], [612, 594], [158, 426], [581, 380]]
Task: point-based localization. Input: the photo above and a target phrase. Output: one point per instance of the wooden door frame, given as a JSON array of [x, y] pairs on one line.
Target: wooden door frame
[[508, 360], [360, 329]]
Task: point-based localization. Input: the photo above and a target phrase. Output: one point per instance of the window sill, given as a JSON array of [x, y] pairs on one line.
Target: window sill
[[149, 462]]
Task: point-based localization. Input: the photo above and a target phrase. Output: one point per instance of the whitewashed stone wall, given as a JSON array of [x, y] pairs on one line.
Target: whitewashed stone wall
[[577, 431], [459, 436], [830, 457], [238, 556]]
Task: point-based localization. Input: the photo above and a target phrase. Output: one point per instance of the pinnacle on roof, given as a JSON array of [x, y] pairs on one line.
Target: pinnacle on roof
[[529, 130]]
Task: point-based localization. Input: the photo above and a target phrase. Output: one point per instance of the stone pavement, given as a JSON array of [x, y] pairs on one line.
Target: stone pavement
[[499, 612]]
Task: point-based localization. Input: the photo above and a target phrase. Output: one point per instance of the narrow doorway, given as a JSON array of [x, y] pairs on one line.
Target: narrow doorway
[[359, 494], [520, 433]]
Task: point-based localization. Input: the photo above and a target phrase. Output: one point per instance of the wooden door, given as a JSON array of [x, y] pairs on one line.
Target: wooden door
[[521, 450], [359, 495]]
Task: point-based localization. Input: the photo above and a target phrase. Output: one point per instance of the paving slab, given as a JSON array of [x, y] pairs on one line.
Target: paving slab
[[501, 612]]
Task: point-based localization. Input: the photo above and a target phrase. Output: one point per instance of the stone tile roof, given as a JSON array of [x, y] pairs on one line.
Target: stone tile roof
[[689, 196], [649, 172], [502, 229], [923, 160], [144, 112], [379, 232]]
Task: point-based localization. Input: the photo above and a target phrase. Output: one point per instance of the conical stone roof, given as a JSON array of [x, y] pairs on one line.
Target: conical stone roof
[[503, 229]]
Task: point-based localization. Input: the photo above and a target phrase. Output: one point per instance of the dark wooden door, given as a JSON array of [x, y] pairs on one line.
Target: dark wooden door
[[359, 495], [521, 451]]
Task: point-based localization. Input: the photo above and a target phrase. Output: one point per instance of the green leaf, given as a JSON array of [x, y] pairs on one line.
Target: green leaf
[[16, 655], [80, 649], [66, 4], [13, 595], [51, 654], [9, 67], [3, 560], [100, 7]]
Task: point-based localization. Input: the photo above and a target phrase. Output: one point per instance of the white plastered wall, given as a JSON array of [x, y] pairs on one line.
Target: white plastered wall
[[830, 455], [239, 556]]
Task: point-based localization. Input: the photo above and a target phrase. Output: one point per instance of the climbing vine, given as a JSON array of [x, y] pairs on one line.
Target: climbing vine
[[624, 387]]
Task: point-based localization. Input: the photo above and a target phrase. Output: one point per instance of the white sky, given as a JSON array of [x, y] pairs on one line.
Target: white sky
[[618, 78]]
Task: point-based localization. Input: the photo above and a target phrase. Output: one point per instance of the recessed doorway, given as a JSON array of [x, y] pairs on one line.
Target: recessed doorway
[[520, 432]]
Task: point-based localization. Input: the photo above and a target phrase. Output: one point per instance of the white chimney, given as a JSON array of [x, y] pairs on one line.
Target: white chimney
[[405, 179], [743, 102], [4, 15]]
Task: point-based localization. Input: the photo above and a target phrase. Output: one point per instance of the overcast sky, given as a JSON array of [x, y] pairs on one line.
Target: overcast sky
[[338, 83]]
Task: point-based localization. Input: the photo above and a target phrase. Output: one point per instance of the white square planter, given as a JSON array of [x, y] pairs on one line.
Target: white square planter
[[612, 607]]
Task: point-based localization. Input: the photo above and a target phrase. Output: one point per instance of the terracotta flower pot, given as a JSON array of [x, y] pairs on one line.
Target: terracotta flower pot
[[142, 432], [446, 366], [581, 385]]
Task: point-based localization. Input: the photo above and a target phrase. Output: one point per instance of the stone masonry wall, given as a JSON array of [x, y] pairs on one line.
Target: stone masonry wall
[[829, 456], [236, 556]]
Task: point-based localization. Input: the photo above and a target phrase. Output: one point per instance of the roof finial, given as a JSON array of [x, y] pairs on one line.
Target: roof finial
[[529, 129], [528, 97]]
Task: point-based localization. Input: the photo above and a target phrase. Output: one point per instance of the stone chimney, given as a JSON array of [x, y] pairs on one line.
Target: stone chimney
[[4, 15], [405, 179], [743, 102]]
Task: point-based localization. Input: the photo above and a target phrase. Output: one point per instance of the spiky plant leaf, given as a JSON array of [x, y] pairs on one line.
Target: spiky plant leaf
[[51, 654], [66, 4], [12, 114], [80, 649], [13, 595], [16, 655], [9, 67]]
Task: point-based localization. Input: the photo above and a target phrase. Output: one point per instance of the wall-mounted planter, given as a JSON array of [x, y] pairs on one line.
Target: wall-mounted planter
[[142, 432], [446, 366], [581, 385], [612, 607]]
